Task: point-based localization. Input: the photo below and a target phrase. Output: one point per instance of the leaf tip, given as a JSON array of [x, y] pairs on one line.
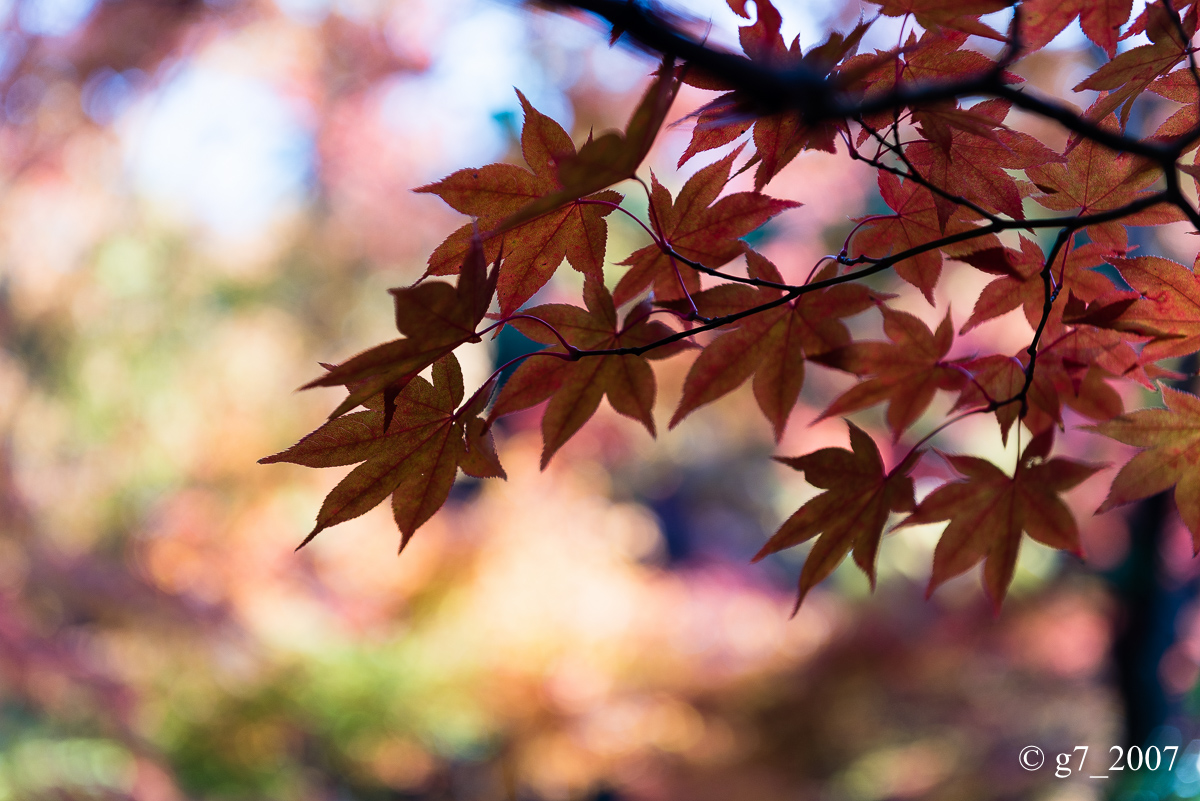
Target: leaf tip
[[310, 536], [799, 600]]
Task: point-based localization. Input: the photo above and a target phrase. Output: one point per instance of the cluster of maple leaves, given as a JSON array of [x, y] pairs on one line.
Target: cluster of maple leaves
[[961, 185]]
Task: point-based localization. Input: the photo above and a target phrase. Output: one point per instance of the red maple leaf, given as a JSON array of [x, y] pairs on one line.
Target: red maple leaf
[[1020, 283], [989, 509], [1179, 86], [958, 15], [1130, 73], [1096, 179], [1170, 438], [937, 57], [778, 138], [607, 159], [914, 224], [1101, 20], [1168, 305], [994, 379], [850, 515], [698, 226], [1073, 368], [972, 166], [905, 372]]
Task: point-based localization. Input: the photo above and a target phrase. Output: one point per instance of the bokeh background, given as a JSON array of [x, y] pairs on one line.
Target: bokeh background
[[200, 201]]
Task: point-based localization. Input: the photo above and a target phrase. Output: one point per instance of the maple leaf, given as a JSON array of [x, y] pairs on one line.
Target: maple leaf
[[1145, 19], [718, 123], [1170, 438], [576, 387], [973, 166], [1101, 20], [1128, 75], [1073, 367], [609, 158], [959, 15], [994, 379], [989, 509], [772, 345], [936, 56], [850, 515], [915, 223], [905, 372], [1021, 284], [413, 436], [535, 248], [1096, 179], [414, 458], [435, 317], [778, 138], [1168, 305], [1104, 312], [696, 227], [1179, 86]]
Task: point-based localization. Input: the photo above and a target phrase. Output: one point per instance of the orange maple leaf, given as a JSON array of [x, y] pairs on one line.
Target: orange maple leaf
[[534, 249], [576, 387], [850, 515], [771, 345], [414, 458], [435, 316]]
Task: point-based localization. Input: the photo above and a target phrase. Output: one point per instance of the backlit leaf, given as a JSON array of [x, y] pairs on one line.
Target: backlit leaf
[[988, 510], [696, 225], [850, 515], [1170, 438], [414, 459], [575, 388], [905, 372]]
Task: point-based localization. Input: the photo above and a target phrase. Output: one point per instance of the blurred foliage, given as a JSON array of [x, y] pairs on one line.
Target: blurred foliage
[[593, 631]]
